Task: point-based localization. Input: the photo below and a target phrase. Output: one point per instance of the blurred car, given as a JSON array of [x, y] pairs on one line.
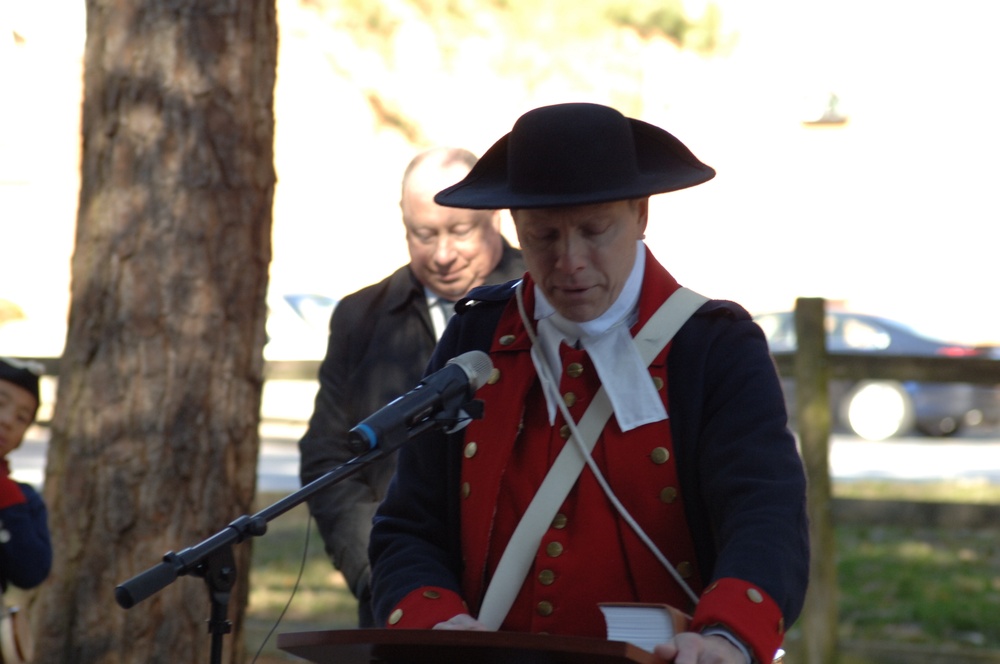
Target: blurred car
[[881, 409], [989, 350], [298, 326]]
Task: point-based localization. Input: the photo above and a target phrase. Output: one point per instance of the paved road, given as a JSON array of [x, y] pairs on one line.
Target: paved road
[[277, 468], [915, 459], [974, 456]]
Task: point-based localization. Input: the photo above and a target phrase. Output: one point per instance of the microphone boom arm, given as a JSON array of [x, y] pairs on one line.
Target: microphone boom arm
[[442, 401]]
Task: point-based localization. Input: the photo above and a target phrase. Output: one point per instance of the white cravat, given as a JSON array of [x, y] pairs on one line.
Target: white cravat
[[608, 341]]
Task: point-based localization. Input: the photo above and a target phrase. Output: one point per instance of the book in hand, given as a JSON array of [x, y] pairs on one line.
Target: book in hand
[[643, 625]]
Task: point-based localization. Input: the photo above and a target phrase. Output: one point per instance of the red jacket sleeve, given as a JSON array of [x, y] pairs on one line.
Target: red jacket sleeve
[[425, 607], [746, 611]]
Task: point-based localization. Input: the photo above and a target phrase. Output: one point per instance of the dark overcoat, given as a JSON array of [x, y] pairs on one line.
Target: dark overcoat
[[381, 339]]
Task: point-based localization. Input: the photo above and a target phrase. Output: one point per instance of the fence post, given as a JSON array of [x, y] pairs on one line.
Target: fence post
[[819, 615]]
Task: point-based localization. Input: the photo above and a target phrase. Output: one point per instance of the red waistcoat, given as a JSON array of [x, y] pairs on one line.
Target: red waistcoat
[[589, 554]]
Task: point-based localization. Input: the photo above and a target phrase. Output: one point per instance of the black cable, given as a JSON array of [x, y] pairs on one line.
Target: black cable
[[298, 579]]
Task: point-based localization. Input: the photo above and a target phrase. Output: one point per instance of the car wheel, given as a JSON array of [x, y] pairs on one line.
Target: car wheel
[[939, 428], [877, 410]]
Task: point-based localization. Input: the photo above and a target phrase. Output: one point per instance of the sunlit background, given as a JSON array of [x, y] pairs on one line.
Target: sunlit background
[[893, 211]]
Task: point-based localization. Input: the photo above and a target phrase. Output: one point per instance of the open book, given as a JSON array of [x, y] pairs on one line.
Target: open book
[[643, 625]]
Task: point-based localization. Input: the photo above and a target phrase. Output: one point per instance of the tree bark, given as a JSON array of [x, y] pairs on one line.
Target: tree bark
[[155, 432]]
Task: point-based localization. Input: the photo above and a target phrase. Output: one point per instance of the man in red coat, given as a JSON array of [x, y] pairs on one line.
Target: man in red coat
[[690, 491]]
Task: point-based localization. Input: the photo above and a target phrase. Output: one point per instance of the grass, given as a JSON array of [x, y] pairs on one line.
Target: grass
[[971, 491], [919, 585], [915, 586], [322, 600], [907, 585]]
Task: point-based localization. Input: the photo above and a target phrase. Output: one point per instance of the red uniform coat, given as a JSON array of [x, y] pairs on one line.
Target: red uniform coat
[[588, 555]]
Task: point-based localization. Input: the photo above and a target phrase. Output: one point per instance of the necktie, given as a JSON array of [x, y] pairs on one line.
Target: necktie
[[447, 308], [441, 313]]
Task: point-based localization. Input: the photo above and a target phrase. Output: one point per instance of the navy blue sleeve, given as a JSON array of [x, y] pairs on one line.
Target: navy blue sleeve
[[25, 546], [416, 531], [730, 424]]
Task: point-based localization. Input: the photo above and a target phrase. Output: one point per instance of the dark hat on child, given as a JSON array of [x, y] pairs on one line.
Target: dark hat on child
[[21, 373], [576, 154]]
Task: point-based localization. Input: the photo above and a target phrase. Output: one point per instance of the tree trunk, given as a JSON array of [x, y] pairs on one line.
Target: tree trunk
[[155, 432]]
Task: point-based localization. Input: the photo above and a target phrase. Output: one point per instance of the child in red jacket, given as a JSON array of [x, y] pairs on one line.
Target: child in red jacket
[[25, 547]]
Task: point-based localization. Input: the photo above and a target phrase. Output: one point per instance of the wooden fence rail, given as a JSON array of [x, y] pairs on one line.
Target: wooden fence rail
[[885, 367]]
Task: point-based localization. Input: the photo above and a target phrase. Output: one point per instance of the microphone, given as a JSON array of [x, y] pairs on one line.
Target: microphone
[[435, 401]]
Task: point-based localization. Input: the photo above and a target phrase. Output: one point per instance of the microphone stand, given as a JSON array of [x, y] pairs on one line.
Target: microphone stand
[[213, 560]]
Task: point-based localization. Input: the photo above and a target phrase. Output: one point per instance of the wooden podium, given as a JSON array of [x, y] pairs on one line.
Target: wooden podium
[[404, 646]]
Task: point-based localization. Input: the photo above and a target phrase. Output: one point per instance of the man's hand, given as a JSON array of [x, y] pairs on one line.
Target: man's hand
[[463, 621], [692, 648]]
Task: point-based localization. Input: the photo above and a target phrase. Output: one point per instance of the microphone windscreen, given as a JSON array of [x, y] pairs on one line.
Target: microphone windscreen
[[477, 365]]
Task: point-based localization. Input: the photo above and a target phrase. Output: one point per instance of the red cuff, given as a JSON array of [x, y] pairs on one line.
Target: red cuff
[[747, 611], [10, 493], [425, 607]]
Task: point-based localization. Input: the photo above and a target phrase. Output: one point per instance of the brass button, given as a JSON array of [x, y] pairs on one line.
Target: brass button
[[432, 594], [466, 489], [781, 625], [395, 616], [668, 495], [685, 569], [755, 596], [564, 432], [660, 455], [545, 608], [554, 549], [470, 449], [494, 376], [657, 383], [559, 522], [507, 339], [546, 577], [574, 369], [569, 399]]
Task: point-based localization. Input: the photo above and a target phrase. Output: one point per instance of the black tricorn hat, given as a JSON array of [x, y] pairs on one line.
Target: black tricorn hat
[[576, 154]]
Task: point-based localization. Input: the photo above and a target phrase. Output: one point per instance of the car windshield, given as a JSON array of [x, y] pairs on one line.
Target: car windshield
[[847, 333], [779, 330], [844, 332]]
